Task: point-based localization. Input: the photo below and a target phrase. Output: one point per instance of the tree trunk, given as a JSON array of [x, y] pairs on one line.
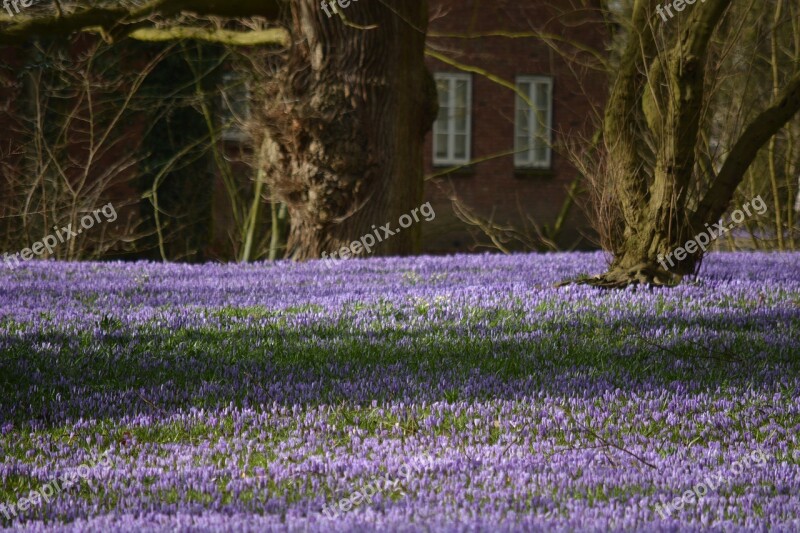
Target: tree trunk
[[649, 178], [346, 124]]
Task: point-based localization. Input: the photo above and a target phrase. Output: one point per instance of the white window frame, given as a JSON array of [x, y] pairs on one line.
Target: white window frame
[[527, 158], [235, 92], [450, 159]]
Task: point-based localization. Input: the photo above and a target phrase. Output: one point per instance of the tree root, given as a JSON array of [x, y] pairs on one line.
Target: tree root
[[646, 273]]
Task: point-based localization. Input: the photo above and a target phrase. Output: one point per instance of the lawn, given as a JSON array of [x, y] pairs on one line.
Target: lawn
[[463, 393]]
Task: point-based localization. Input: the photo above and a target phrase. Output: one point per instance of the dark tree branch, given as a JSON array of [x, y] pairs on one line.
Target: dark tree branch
[[120, 21], [744, 152]]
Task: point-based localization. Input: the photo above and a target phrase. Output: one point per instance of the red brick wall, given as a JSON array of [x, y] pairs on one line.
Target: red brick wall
[[495, 187]]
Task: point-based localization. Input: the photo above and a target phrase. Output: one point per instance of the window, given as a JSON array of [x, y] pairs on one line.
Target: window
[[533, 124], [452, 135], [235, 107], [797, 202]]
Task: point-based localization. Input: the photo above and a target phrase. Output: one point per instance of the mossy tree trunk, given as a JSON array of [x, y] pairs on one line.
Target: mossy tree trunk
[[652, 133]]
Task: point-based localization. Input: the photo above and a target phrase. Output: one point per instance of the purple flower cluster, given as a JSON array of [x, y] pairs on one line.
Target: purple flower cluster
[[249, 397]]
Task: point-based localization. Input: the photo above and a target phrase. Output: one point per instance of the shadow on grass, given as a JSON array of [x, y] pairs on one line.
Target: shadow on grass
[[50, 378]]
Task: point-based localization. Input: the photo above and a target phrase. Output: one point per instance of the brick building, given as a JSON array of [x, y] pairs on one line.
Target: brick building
[[480, 120], [489, 157]]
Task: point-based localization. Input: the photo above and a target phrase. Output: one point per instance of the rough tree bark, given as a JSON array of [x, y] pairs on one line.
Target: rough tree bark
[[345, 131]]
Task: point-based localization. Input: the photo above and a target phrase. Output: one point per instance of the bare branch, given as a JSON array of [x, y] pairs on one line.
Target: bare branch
[[272, 36]]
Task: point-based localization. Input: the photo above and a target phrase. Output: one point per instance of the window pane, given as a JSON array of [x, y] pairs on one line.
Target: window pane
[[461, 121], [540, 126], [461, 94], [532, 123], [522, 126], [460, 146], [542, 95], [441, 145], [451, 130], [540, 151], [443, 120], [523, 121], [522, 149], [521, 105], [443, 88], [460, 107], [525, 88], [442, 125]]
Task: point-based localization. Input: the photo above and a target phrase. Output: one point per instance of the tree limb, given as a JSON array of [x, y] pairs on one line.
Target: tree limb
[[114, 20], [744, 152], [598, 55], [481, 71], [686, 77], [276, 36]]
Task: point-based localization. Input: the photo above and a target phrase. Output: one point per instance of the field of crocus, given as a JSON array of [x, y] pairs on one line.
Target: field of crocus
[[468, 392]]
